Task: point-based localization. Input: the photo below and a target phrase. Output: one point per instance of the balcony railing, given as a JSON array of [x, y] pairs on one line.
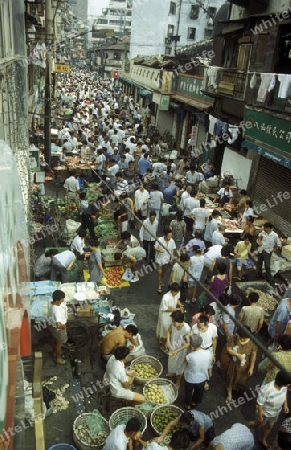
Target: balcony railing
[[230, 82], [236, 84]]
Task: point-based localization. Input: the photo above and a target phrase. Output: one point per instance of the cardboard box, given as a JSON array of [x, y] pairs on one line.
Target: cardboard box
[[85, 311]]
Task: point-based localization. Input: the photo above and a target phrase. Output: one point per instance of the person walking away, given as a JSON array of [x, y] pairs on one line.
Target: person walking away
[[219, 282], [178, 227], [196, 269], [252, 316], [200, 216], [156, 200], [195, 372]]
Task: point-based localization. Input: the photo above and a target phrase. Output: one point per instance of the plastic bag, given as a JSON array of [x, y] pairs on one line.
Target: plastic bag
[[128, 275], [95, 422]]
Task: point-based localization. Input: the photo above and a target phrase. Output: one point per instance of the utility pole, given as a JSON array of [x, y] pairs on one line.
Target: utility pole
[[48, 80]]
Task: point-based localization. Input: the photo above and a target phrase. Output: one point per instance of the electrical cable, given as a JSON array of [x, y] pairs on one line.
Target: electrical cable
[[206, 291]]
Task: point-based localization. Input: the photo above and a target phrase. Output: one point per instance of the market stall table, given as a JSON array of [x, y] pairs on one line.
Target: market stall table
[[87, 305]]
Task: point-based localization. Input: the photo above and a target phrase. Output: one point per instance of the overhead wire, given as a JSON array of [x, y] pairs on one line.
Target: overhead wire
[[265, 350]]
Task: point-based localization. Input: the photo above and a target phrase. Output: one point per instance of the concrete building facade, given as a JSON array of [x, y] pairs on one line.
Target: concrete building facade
[[164, 27]]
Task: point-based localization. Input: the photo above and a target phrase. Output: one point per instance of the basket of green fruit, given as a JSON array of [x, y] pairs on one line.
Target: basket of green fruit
[[160, 391], [146, 368], [162, 415], [121, 417]]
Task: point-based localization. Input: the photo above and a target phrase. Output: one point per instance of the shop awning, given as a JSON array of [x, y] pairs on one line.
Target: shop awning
[[275, 157], [145, 93], [199, 104]]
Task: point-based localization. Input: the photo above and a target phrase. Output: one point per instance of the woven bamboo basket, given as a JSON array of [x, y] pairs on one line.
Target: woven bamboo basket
[[146, 359], [169, 388], [79, 441], [121, 416], [172, 408]]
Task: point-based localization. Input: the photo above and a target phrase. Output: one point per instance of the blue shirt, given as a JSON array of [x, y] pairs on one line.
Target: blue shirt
[[282, 314], [169, 194], [143, 165]]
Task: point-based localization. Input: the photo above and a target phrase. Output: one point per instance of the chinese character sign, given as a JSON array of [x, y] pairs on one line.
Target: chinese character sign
[[268, 129]]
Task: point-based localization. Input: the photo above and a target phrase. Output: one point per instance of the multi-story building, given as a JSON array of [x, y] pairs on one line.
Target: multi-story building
[[250, 83], [14, 248], [79, 8], [163, 27], [115, 20]]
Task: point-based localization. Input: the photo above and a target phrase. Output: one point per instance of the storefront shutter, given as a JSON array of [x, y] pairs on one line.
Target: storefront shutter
[[273, 178]]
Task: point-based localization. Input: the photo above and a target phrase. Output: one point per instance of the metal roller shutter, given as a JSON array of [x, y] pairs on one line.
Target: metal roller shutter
[[273, 178]]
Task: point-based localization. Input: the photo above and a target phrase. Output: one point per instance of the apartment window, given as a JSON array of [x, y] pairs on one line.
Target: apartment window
[[212, 11], [208, 33], [117, 56], [171, 30], [168, 50], [191, 33], [194, 12], [173, 8]]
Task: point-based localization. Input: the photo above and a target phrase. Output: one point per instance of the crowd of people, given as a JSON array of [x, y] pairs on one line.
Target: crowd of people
[[108, 127]]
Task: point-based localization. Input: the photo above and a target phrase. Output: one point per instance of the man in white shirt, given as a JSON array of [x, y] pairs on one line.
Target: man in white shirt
[[56, 323], [123, 437], [131, 145], [63, 262], [271, 398], [72, 190], [120, 379], [189, 204], [218, 238], [185, 194], [163, 256], [141, 198], [268, 243], [147, 235], [208, 332], [224, 195], [200, 216], [113, 167]]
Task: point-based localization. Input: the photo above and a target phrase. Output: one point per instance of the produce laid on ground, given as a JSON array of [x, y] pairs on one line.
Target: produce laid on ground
[[155, 394], [84, 434], [266, 300], [162, 417], [145, 371], [114, 276]]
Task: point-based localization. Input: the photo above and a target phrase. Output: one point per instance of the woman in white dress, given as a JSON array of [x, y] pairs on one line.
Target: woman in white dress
[[170, 302], [178, 341]]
